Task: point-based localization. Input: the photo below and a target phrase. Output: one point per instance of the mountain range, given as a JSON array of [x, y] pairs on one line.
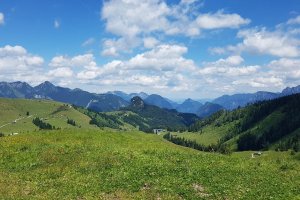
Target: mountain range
[[231, 102], [114, 100]]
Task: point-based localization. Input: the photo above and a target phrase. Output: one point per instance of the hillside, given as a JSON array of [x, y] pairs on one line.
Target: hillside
[[255, 127], [88, 162], [16, 115], [148, 117], [189, 106], [159, 101], [82, 164], [208, 109]]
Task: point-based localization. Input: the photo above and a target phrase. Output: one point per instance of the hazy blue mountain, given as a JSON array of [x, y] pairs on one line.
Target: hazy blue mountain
[[173, 103], [203, 101], [289, 91], [106, 103], [121, 94], [7, 91], [16, 90], [208, 109], [159, 101], [128, 97], [143, 95], [240, 100], [150, 116], [117, 99], [97, 102], [189, 106]]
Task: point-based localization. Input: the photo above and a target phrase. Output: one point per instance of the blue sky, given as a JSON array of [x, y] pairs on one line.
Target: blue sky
[[183, 48]]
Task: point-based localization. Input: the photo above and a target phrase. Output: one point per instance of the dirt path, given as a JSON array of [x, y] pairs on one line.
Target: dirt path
[[15, 121]]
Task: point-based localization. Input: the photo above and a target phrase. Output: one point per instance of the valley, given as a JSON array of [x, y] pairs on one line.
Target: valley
[[106, 156]]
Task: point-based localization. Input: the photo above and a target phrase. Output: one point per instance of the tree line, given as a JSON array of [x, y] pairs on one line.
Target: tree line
[[41, 124], [220, 148]]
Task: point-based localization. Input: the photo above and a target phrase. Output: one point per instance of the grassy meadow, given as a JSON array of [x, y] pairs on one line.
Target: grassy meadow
[[103, 164], [85, 162]]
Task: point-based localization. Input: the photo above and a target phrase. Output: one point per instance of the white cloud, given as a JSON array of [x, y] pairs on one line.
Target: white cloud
[[231, 60], [85, 60], [220, 20], [229, 71], [286, 67], [275, 43], [261, 82], [295, 20], [12, 51], [162, 58], [56, 23], [16, 59], [161, 67], [1, 18], [127, 20], [17, 64], [150, 42], [88, 42], [62, 72], [111, 47]]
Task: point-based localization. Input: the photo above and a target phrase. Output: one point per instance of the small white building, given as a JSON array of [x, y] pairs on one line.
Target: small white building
[[158, 131]]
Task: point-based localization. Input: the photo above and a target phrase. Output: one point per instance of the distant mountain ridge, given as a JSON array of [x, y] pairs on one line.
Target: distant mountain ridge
[[231, 102], [114, 100], [189, 106], [46, 90]]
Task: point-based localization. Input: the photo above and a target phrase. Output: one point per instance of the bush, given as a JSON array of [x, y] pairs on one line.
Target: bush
[[42, 125], [71, 122]]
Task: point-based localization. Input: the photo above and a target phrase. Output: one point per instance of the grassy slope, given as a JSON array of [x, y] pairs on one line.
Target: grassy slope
[[12, 109], [209, 135], [92, 164], [259, 127]]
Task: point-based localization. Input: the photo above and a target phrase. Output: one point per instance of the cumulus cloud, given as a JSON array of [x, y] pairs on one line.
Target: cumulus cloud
[[163, 58], [85, 60], [150, 42], [295, 20], [262, 41], [1, 18], [228, 67], [17, 64], [128, 21], [111, 47], [261, 82], [62, 72], [286, 67], [220, 20], [16, 58], [160, 67]]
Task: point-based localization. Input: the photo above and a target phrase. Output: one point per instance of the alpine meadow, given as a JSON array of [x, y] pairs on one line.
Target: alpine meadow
[[149, 99]]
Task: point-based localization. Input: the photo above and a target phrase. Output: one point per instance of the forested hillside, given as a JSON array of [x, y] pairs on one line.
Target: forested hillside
[[265, 124]]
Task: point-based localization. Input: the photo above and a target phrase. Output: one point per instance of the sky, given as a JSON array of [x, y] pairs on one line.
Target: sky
[[175, 48]]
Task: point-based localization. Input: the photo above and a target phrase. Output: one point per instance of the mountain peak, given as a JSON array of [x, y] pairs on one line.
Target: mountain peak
[[19, 84], [137, 102], [45, 84]]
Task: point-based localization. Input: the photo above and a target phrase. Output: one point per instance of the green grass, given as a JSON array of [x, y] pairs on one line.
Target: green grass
[[52, 112], [210, 134], [85, 162], [95, 164]]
